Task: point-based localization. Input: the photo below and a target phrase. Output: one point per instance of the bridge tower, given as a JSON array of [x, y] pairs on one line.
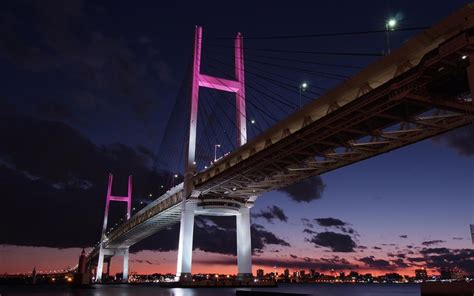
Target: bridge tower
[[190, 202], [109, 252]]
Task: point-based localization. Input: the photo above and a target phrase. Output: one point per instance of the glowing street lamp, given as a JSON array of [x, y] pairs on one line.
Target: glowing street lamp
[[390, 24], [302, 88]]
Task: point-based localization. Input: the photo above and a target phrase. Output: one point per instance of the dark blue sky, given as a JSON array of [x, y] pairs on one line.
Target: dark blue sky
[[89, 87]]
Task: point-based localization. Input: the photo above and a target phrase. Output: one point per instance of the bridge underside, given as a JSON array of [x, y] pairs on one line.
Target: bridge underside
[[427, 100]]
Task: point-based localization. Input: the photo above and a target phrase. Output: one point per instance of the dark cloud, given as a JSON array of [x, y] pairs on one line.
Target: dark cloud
[[271, 213], [377, 248], [380, 264], [261, 237], [334, 222], [432, 242], [309, 231], [337, 242], [403, 236], [307, 223], [328, 222], [434, 251], [459, 258], [400, 263], [460, 140], [458, 238], [416, 259], [305, 191]]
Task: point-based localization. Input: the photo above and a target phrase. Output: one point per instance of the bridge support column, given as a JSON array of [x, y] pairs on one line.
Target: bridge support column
[[185, 247], [100, 266], [108, 267], [125, 266], [244, 245]]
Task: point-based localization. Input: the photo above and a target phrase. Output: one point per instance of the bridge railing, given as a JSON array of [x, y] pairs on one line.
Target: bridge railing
[[167, 200]]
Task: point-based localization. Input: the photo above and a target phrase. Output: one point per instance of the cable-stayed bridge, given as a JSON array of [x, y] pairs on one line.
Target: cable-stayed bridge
[[420, 90]]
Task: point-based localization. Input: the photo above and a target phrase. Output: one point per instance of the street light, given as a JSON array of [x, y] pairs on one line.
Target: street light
[[215, 151], [389, 25], [302, 88]]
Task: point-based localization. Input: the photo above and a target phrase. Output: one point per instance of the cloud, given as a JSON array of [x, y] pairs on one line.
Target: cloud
[[328, 222], [377, 248], [309, 231], [458, 238], [307, 223], [380, 264], [434, 251], [461, 140], [440, 258], [403, 236], [334, 222], [271, 213], [432, 242], [306, 190], [337, 242]]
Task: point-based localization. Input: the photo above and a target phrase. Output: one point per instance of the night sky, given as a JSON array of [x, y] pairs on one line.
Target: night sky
[[92, 87]]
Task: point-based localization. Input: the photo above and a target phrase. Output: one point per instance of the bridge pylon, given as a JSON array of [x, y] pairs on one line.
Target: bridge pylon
[[104, 250], [190, 202]]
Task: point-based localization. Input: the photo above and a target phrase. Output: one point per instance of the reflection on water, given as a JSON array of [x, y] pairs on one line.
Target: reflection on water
[[129, 290]]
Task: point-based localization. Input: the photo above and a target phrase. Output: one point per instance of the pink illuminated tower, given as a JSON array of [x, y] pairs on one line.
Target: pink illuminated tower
[[103, 251], [236, 86]]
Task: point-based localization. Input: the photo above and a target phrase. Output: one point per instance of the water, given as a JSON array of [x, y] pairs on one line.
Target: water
[[127, 290]]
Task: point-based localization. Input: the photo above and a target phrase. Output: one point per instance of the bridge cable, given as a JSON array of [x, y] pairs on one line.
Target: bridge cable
[[281, 84], [360, 54], [333, 34]]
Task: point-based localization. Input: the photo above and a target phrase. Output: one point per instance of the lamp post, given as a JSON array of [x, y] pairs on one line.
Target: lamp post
[[389, 25], [215, 151], [302, 88]]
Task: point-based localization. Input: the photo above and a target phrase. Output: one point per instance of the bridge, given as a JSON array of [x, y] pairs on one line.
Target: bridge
[[420, 90]]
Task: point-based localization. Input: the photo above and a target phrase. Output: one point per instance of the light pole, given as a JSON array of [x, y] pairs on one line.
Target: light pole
[[389, 25], [215, 151], [302, 88]]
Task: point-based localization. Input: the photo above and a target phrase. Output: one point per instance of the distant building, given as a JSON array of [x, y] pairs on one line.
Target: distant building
[[260, 273], [421, 274], [353, 275], [445, 273], [287, 273]]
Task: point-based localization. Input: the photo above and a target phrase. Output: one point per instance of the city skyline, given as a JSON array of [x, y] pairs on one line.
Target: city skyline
[[103, 107]]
